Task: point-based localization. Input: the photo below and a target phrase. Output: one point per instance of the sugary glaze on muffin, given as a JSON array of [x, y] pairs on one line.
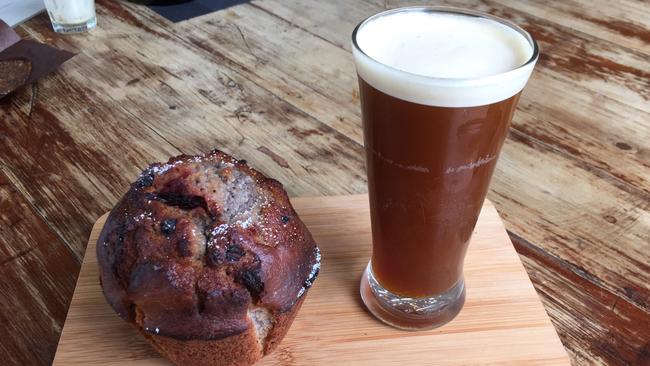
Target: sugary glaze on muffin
[[202, 247]]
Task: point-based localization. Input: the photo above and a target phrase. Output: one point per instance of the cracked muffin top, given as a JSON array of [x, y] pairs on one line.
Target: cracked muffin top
[[199, 243]]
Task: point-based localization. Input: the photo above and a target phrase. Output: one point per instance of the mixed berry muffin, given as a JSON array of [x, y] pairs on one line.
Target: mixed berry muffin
[[208, 259]]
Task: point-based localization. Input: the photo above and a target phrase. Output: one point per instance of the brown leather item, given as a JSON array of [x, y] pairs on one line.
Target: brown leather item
[[25, 61], [208, 259], [13, 74]]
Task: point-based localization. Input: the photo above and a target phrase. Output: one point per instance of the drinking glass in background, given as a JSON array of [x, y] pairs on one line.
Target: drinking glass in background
[[438, 87], [71, 16]]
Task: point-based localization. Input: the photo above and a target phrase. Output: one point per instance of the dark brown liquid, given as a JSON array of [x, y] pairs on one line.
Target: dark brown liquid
[[428, 173]]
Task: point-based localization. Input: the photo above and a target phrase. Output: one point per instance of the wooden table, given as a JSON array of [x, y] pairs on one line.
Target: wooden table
[[274, 82]]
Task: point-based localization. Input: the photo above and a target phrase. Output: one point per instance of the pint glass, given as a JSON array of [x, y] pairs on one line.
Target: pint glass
[[438, 88]]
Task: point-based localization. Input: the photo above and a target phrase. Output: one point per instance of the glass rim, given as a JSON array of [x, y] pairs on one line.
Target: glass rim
[[452, 10]]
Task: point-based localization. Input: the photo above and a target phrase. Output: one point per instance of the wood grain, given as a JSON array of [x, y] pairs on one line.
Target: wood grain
[[273, 82], [605, 329], [623, 23], [72, 153], [502, 321], [38, 276]]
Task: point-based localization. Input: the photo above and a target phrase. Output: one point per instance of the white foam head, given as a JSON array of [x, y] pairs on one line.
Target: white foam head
[[443, 57]]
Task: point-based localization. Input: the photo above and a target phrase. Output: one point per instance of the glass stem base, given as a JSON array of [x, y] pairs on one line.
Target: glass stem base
[[74, 28], [410, 313]]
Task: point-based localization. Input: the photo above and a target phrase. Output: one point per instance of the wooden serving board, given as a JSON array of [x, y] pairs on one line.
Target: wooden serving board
[[503, 321]]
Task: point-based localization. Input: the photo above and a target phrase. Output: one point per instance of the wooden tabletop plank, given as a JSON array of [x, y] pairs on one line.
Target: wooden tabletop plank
[[605, 328], [585, 61], [73, 153], [323, 86], [608, 136], [197, 104], [556, 218], [274, 82], [38, 276], [622, 22]]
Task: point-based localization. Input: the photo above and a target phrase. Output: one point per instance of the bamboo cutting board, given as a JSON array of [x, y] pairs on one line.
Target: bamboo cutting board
[[503, 321]]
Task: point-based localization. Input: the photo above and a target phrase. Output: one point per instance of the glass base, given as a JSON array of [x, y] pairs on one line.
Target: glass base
[[410, 313], [75, 28]]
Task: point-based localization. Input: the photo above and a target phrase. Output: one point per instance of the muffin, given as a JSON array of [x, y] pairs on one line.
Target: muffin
[[207, 258]]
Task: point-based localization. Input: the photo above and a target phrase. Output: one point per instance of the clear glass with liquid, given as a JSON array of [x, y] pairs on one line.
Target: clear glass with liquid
[[438, 87], [71, 16]]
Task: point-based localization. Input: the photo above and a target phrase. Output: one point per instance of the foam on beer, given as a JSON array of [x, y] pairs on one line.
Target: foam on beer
[[442, 58]]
